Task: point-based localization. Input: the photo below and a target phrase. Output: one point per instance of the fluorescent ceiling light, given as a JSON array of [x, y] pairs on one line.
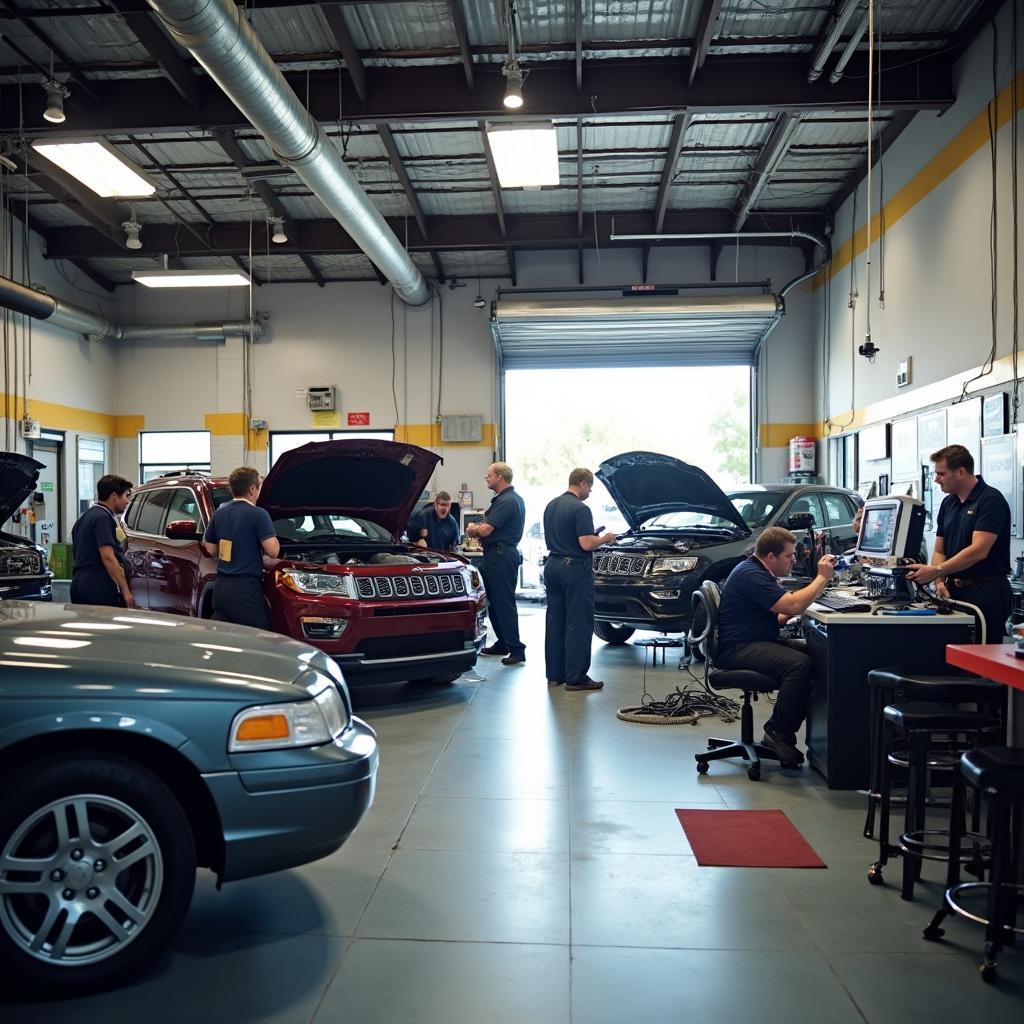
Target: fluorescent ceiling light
[[98, 166], [191, 278], [525, 155]]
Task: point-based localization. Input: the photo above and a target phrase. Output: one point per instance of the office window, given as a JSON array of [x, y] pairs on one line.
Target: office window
[[92, 458], [162, 452]]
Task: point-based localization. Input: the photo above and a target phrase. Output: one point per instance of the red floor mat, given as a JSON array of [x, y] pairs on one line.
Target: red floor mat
[[746, 839]]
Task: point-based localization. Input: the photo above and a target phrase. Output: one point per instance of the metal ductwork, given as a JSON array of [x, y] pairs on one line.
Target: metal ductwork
[[837, 20], [41, 306], [218, 36]]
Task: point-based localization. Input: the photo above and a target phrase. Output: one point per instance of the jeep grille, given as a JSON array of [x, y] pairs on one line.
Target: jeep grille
[[434, 584], [619, 565]]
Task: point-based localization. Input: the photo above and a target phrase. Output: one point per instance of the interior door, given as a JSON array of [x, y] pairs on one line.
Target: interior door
[[46, 502]]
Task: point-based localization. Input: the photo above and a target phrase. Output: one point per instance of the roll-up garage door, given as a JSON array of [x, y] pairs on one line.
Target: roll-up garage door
[[673, 331]]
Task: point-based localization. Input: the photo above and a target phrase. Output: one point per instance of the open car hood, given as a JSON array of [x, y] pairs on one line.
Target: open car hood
[[367, 479], [18, 476], [646, 484]]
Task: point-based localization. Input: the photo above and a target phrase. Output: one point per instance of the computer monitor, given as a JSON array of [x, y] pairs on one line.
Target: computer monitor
[[892, 528]]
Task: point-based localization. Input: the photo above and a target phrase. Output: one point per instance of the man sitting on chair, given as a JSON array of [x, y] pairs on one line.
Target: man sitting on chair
[[752, 608]]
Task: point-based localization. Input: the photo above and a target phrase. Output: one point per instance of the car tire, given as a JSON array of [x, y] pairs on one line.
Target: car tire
[[610, 633], [82, 819]]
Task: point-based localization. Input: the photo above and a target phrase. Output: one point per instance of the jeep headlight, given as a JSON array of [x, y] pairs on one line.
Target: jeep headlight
[[305, 723], [472, 577], [317, 583], [675, 564]]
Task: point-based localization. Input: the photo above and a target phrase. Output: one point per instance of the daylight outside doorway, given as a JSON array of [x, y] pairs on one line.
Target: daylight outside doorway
[[558, 419]]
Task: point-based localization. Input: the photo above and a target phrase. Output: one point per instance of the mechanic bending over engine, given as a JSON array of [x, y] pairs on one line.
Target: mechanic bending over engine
[[752, 608], [434, 526]]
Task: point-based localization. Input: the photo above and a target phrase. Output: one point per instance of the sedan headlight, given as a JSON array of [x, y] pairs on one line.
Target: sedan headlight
[[317, 583], [305, 723], [675, 564]]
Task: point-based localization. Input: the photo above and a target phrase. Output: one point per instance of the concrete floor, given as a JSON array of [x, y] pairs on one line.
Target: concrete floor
[[522, 863]]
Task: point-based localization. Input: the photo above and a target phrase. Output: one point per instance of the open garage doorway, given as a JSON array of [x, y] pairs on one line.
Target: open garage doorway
[[556, 419]]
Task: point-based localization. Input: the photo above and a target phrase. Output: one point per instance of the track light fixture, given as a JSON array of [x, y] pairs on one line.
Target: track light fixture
[[55, 94], [479, 301], [277, 230], [514, 87], [131, 229]]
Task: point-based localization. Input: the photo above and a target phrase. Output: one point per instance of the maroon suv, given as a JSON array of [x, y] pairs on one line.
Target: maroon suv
[[383, 609]]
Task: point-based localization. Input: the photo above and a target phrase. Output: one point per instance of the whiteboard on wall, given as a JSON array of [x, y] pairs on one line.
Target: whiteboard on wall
[[874, 442], [904, 449], [963, 425]]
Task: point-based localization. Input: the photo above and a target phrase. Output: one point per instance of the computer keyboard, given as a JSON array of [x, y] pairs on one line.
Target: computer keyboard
[[839, 603]]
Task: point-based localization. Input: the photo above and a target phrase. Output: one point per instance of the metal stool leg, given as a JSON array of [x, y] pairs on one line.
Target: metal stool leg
[[914, 820]]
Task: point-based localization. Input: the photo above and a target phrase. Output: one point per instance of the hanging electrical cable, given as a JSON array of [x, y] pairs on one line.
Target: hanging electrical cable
[[868, 349], [1014, 116], [881, 178]]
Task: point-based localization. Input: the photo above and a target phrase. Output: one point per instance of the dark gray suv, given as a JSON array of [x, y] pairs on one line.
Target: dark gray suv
[[683, 530]]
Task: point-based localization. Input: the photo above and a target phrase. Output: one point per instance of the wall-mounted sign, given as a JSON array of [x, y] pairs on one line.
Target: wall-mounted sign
[[963, 425], [46, 486], [326, 419], [993, 414], [358, 419]]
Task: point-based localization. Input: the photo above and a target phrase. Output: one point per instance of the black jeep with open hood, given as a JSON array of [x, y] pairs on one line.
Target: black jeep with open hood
[[23, 570], [683, 529]]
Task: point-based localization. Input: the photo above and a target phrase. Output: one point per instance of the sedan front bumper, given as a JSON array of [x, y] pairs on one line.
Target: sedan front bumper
[[283, 808]]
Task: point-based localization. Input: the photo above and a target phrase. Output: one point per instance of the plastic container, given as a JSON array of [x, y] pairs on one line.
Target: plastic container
[[803, 455]]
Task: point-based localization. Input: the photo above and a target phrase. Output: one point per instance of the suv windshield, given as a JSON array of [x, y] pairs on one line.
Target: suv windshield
[[756, 507], [688, 520], [328, 528]]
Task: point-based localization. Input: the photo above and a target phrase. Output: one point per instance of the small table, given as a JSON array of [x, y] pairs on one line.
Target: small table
[[990, 661]]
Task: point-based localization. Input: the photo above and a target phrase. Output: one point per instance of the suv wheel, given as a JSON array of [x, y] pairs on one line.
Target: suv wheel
[[613, 632], [97, 868]]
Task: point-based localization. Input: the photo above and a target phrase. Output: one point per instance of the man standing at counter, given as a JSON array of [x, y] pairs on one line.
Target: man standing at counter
[[500, 531], [971, 559]]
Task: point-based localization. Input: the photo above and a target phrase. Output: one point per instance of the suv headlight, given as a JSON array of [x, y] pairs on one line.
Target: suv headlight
[[675, 564], [306, 723], [472, 577], [317, 582]]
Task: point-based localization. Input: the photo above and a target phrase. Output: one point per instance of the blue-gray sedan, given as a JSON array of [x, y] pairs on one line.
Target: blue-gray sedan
[[135, 747]]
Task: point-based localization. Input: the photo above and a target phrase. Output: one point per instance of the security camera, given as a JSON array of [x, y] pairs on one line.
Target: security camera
[[869, 350], [479, 302]]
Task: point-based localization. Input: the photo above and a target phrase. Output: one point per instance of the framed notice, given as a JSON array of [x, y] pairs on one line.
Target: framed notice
[[1001, 470], [874, 442], [963, 425], [994, 414], [466, 499], [904, 449], [931, 433]]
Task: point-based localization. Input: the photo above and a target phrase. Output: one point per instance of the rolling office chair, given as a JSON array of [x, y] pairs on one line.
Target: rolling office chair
[[751, 683]]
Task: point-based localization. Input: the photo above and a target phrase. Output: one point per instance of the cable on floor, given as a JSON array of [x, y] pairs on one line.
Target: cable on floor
[[681, 707]]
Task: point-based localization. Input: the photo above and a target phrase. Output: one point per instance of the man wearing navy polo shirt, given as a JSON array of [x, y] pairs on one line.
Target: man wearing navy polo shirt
[[434, 526], [752, 608], [971, 559]]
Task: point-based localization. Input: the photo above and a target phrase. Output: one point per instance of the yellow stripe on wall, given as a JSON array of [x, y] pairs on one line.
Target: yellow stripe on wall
[[941, 167], [777, 435], [428, 435], [55, 416]]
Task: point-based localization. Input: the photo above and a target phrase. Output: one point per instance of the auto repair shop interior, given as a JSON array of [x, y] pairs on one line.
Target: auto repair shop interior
[[752, 263]]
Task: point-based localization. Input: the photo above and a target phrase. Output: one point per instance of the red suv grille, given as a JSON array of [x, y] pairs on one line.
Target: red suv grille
[[409, 646], [435, 584]]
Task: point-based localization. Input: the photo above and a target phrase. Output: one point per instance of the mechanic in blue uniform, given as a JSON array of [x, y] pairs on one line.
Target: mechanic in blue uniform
[[752, 608], [569, 582], [435, 526], [971, 559], [500, 531], [98, 575], [239, 535]]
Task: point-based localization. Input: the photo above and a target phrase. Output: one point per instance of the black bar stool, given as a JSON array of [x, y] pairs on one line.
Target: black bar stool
[[998, 773], [919, 725], [892, 686]]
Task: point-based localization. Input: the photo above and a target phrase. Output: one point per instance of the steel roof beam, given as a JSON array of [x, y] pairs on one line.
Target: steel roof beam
[[462, 34], [772, 155], [158, 45], [668, 172], [492, 173], [347, 46], [423, 95], [447, 234], [705, 33]]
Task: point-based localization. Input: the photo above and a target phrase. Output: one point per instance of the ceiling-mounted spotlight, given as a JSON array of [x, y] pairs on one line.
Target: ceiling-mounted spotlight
[[479, 302], [131, 229], [277, 228], [514, 87], [55, 95]]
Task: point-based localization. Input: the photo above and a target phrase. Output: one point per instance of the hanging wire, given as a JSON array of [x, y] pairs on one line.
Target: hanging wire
[[871, 86], [1014, 116], [881, 180]]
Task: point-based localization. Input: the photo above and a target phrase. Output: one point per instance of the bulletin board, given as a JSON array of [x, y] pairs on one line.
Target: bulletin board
[[1001, 470], [963, 425]]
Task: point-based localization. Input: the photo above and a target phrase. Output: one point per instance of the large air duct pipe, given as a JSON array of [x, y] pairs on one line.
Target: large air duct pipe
[[217, 35], [837, 21], [41, 306]]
